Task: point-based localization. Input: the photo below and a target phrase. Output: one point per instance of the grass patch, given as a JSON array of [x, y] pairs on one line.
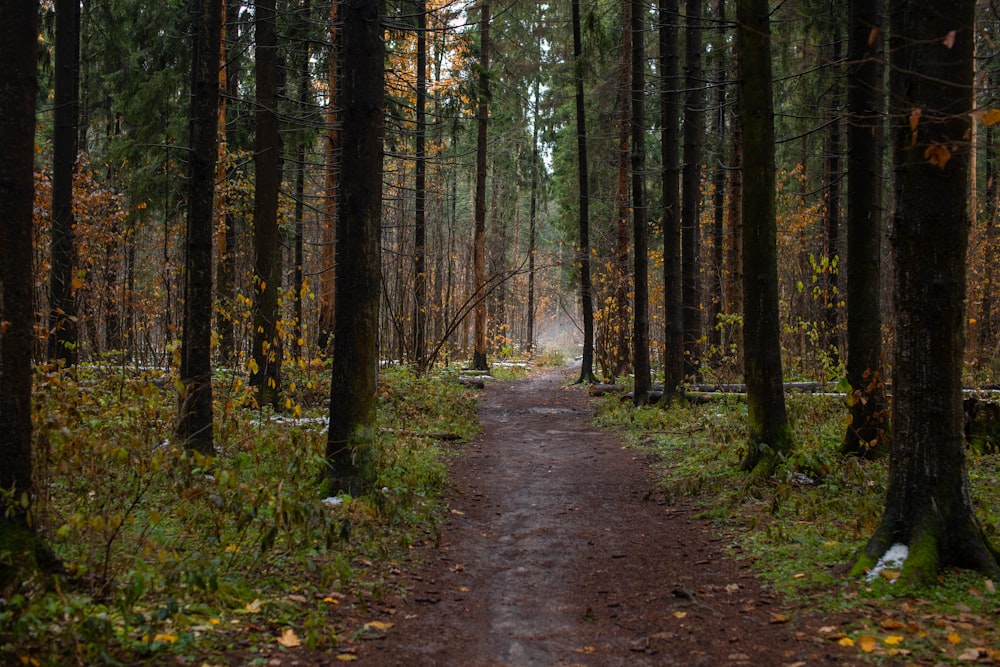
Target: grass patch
[[171, 555], [801, 527]]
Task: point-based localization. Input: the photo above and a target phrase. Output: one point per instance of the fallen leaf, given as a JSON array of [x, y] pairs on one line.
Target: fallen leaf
[[949, 39], [800, 575], [971, 655], [954, 638], [289, 639], [779, 618], [888, 623], [988, 584], [346, 657], [330, 600], [586, 650], [381, 626], [846, 641], [892, 640], [165, 638], [827, 629], [680, 614], [867, 643], [253, 607]]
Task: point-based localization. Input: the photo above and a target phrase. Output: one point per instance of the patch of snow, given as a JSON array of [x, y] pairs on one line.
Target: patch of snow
[[892, 559], [333, 501]]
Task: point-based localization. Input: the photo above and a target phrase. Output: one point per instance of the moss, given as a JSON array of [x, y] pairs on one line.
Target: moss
[[923, 562], [22, 556]]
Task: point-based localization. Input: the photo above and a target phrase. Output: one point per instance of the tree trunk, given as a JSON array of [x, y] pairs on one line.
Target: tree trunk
[[927, 505], [479, 237], [694, 139], [832, 168], [63, 281], [529, 336], [304, 103], [769, 434], [194, 424], [327, 280], [18, 94], [225, 270], [420, 187], [616, 322], [640, 230], [865, 103], [354, 372], [670, 122], [586, 286], [265, 371], [718, 272]]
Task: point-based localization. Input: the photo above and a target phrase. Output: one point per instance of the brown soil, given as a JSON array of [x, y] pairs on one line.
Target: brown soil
[[560, 551]]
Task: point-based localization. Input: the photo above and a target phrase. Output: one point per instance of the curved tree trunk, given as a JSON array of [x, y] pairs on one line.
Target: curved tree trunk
[[928, 507], [769, 433]]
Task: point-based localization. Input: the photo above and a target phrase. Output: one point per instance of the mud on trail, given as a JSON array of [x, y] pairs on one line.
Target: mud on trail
[[560, 551]]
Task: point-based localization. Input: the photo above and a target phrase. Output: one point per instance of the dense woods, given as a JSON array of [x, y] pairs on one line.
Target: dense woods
[[247, 194]]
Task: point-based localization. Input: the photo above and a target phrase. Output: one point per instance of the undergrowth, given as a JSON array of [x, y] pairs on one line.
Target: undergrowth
[[168, 552], [804, 525]]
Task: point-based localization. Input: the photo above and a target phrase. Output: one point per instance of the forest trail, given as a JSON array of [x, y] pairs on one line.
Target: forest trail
[[560, 551]]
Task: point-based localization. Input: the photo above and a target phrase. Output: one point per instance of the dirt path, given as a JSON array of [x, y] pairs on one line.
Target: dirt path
[[559, 551]]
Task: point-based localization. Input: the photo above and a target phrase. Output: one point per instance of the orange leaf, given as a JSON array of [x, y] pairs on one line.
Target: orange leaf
[[866, 643], [954, 638], [914, 122], [991, 117], [938, 154], [289, 639], [893, 639], [872, 36], [846, 641], [779, 618]]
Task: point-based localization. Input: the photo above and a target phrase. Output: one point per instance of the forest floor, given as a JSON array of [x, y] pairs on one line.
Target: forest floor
[[559, 550]]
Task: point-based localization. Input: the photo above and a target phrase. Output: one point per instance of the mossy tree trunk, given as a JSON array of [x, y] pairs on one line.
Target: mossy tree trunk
[[354, 372], [928, 507], [769, 433]]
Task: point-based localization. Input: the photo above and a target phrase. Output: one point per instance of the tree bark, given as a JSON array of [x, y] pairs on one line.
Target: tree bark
[[769, 434], [18, 95], [479, 237], [420, 194], [865, 102], [327, 280], [194, 424], [583, 179], [640, 230], [694, 138], [927, 505], [354, 372], [265, 371], [63, 283], [670, 122]]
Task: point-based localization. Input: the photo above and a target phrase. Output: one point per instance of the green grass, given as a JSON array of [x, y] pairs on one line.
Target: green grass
[[169, 553], [800, 535]]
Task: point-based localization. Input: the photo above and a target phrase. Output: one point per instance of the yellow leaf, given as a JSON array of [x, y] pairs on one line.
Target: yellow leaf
[[346, 657], [680, 614], [892, 640], [779, 618], [846, 641], [586, 650], [253, 607], [991, 117], [165, 638], [331, 601], [254, 368], [891, 575], [289, 639], [867, 643], [954, 638], [379, 625]]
